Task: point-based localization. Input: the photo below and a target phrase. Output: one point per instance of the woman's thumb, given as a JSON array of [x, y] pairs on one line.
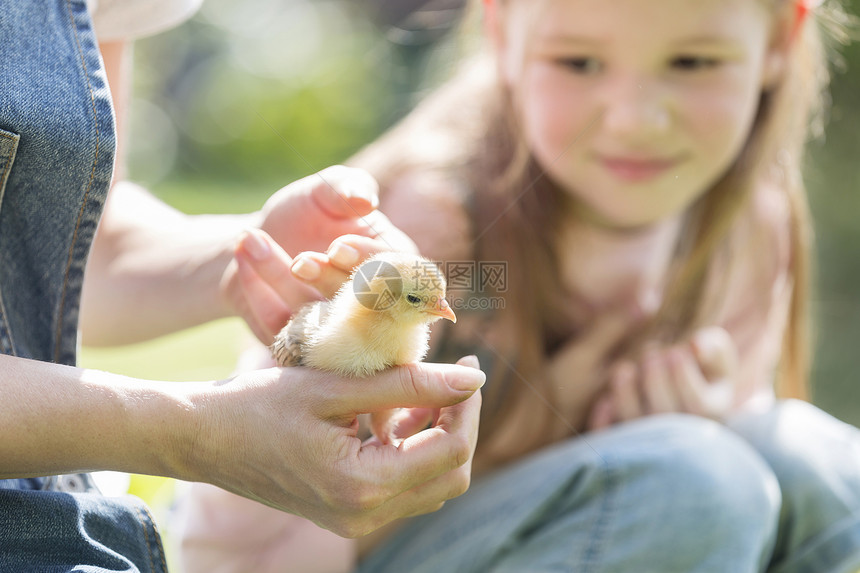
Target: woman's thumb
[[471, 361], [420, 385]]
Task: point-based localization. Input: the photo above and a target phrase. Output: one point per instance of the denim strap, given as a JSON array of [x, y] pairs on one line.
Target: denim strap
[[53, 531], [57, 148]]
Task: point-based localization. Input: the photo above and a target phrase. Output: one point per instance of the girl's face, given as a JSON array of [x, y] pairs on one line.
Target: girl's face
[[636, 107]]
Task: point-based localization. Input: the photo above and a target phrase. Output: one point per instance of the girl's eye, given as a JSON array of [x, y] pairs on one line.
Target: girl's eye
[[582, 65], [694, 63], [412, 299]]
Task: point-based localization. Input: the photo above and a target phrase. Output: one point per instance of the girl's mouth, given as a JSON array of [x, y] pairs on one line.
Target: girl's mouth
[[634, 169]]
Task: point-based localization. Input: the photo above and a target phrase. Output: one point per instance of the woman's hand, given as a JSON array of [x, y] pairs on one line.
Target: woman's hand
[[697, 377], [288, 438], [306, 216]]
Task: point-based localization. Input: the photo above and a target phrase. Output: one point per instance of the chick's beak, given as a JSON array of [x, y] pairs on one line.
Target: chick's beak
[[444, 310]]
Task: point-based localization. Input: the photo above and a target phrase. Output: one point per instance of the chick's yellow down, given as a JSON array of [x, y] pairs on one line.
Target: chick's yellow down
[[379, 318]]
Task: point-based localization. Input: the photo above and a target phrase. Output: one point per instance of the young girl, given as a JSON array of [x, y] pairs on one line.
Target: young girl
[[633, 167]]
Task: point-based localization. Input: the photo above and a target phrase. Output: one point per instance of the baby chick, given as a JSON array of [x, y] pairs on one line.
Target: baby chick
[[379, 318]]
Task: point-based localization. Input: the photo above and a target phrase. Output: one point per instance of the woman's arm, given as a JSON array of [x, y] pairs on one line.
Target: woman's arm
[[59, 419], [283, 437]]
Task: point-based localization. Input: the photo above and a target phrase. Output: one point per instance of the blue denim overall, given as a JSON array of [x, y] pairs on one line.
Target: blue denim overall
[[57, 148]]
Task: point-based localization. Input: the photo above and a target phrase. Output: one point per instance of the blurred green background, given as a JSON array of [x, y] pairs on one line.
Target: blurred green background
[[249, 96]]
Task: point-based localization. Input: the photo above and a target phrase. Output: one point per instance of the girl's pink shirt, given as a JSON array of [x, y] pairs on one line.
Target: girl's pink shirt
[[222, 533], [132, 19]]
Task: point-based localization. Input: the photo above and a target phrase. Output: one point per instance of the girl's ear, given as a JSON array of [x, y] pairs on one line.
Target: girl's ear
[[493, 30], [788, 31], [501, 39]]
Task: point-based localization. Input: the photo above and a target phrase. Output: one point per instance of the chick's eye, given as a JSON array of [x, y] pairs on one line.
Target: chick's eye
[[412, 299]]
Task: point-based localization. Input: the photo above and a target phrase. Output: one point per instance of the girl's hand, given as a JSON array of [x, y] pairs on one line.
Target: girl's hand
[[326, 272], [697, 378], [305, 216]]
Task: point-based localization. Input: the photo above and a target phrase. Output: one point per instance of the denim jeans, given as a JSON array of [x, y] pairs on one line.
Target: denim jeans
[[57, 148], [663, 494]]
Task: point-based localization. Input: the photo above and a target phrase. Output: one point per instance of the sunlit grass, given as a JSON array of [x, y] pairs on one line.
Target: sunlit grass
[[206, 352]]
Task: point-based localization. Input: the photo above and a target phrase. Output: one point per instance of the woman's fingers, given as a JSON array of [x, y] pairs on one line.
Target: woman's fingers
[[441, 450]]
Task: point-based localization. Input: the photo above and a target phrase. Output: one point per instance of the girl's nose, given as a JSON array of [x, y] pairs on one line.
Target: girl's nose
[[636, 109]]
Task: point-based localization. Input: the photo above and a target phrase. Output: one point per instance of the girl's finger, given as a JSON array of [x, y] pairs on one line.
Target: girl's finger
[[348, 251], [688, 381], [410, 421], [344, 192], [660, 396], [395, 425], [715, 352], [625, 394], [264, 310], [587, 352], [382, 424], [272, 264], [317, 271], [602, 414], [267, 257], [326, 272]]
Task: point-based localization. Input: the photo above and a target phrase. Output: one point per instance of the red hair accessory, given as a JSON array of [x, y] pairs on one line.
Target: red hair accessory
[[802, 8], [490, 10]]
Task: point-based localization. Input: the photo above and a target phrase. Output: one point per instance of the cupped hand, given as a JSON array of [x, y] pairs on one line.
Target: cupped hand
[[305, 216], [288, 438], [327, 271], [697, 377]]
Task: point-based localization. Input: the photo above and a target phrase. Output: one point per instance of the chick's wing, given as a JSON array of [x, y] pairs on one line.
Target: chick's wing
[[289, 347]]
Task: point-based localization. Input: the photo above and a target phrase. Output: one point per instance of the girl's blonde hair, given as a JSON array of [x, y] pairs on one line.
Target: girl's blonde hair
[[516, 212]]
